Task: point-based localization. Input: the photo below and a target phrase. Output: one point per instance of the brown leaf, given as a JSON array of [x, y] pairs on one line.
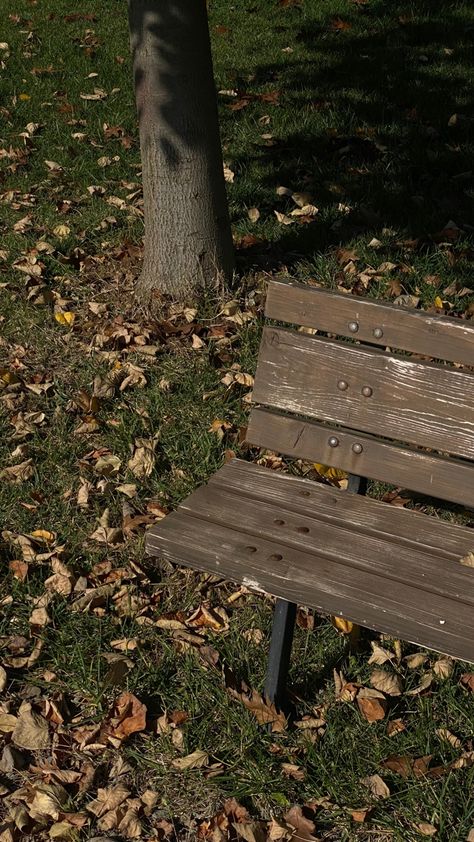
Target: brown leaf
[[31, 730], [195, 760], [291, 770], [3, 679], [128, 716], [377, 786], [386, 682], [427, 829], [467, 679], [18, 473], [19, 569], [213, 618], [447, 736], [443, 667], [379, 654], [372, 704], [303, 826], [264, 712], [143, 460], [396, 726], [425, 682], [360, 815], [416, 660], [108, 799], [400, 764]]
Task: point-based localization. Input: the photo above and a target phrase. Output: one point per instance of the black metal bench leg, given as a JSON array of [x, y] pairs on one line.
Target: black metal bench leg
[[284, 618]]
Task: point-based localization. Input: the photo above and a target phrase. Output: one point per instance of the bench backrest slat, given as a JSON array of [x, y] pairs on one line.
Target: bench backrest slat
[[440, 337], [357, 389], [420, 403], [427, 473]]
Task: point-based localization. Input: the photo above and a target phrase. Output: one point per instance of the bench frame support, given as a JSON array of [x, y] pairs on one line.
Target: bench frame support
[[283, 626]]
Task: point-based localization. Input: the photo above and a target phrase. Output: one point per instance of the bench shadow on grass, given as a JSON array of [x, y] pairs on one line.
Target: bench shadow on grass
[[396, 154]]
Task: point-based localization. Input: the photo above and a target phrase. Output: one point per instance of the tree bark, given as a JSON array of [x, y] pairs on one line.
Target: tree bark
[[188, 239]]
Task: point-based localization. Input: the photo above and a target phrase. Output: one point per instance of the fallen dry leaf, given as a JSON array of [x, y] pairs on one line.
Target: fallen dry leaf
[[195, 760], [143, 460], [443, 667], [446, 735], [253, 214], [379, 654], [426, 829], [386, 682], [372, 704], [108, 799], [396, 726], [127, 716], [468, 560], [377, 786], [291, 770], [264, 712], [31, 730], [467, 680]]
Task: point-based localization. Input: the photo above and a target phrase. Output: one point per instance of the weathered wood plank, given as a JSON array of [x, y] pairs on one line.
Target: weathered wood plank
[[321, 583], [419, 403], [335, 506], [381, 554], [427, 473], [435, 336]]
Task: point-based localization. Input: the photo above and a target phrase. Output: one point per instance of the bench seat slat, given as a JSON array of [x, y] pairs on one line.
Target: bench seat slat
[[383, 555], [427, 473], [311, 580], [419, 403], [357, 513], [440, 337]]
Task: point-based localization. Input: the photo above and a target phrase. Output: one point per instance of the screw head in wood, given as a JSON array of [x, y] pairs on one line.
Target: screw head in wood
[[378, 332], [367, 391], [343, 385], [357, 447], [353, 327], [333, 441]]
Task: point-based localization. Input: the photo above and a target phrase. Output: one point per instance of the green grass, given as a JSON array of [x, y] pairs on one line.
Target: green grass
[[363, 123]]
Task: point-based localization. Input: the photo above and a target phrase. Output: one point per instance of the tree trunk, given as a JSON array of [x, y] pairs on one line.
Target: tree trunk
[[188, 240]]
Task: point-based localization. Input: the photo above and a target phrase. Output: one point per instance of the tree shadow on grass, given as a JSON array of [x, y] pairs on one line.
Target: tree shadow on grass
[[387, 131]]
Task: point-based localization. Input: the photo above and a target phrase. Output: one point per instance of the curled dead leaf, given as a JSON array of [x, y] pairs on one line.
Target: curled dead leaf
[[467, 560], [377, 786], [386, 682], [372, 704]]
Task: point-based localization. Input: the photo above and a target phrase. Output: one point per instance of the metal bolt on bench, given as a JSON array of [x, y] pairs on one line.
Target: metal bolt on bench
[[374, 413]]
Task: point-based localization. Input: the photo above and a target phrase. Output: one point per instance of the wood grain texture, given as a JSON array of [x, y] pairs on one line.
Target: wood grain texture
[[414, 592], [427, 473], [381, 554], [440, 337], [361, 514], [419, 403]]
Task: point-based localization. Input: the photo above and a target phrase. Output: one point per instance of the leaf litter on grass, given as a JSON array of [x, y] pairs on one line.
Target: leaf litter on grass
[[83, 379]]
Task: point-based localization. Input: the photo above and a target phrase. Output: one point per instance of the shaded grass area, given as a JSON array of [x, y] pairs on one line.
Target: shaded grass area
[[360, 101]]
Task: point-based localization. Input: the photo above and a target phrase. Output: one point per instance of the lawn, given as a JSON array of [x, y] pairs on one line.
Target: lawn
[[124, 688]]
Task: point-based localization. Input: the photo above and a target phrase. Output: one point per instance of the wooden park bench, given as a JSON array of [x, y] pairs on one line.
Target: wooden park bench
[[374, 413]]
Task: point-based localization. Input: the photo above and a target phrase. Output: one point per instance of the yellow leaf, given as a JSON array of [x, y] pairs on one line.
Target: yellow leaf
[[8, 377], [468, 560], [24, 97], [43, 535], [61, 231], [66, 319], [328, 472], [438, 302], [342, 625]]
